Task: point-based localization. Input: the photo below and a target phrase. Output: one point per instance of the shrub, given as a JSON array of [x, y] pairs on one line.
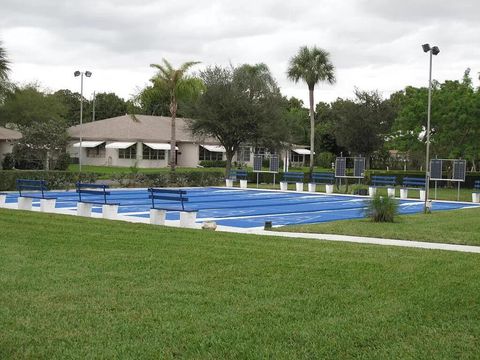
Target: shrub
[[8, 162], [325, 159], [63, 161], [382, 209], [55, 179], [213, 163]]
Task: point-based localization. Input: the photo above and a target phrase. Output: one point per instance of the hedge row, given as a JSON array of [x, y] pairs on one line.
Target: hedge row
[[55, 179]]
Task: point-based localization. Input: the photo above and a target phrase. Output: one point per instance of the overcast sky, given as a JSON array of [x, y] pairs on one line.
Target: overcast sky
[[374, 44]]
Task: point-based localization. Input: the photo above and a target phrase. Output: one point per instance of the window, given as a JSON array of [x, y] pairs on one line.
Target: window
[[244, 154], [97, 151], [128, 153], [151, 154], [204, 154]]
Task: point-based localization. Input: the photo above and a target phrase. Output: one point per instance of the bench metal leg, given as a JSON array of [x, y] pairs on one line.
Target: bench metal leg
[[403, 193], [372, 190], [283, 186], [47, 205], [187, 219], [109, 211], [84, 209], [24, 203], [3, 199], [228, 182], [312, 187], [476, 197], [299, 186], [391, 192], [422, 195], [157, 217], [329, 189], [243, 184]]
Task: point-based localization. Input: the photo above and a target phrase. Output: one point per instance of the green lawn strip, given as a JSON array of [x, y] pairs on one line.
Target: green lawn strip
[[90, 288], [452, 227], [109, 170]]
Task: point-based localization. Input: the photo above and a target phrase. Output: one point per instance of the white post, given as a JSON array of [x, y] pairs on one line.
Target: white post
[[24, 203], [372, 190], [299, 186], [422, 194], [109, 211], [157, 217], [47, 205], [329, 188], [283, 186], [476, 197], [391, 192], [312, 187], [243, 184], [187, 219], [3, 199], [228, 182], [84, 209], [403, 193]]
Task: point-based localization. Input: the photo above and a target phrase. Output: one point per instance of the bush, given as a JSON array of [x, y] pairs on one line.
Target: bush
[[325, 159], [213, 163], [382, 209], [8, 162], [63, 161], [180, 179], [55, 179]]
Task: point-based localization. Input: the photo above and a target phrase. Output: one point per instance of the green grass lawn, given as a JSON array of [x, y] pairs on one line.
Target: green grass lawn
[[109, 170], [453, 227], [89, 288]]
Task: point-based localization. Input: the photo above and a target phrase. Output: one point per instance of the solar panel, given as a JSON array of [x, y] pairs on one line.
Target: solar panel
[[340, 166], [436, 169], [274, 163], [359, 167], [257, 162], [459, 169]]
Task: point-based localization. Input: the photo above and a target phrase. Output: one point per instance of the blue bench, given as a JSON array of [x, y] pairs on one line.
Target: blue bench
[[40, 186], [158, 211], [476, 185], [323, 178], [389, 181], [96, 191], [414, 182], [476, 192], [238, 174], [293, 177]]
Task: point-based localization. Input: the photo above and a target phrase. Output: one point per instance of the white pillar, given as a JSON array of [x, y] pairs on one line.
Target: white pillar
[[299, 186], [84, 209], [228, 182], [391, 192], [422, 194], [24, 203], [312, 187], [329, 188], [47, 205], [372, 190], [243, 184], [187, 219], [109, 211], [283, 186], [3, 199], [476, 197], [403, 193], [157, 217]]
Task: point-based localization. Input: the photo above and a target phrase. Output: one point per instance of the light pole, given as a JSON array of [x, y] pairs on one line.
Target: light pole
[[87, 74], [433, 51]]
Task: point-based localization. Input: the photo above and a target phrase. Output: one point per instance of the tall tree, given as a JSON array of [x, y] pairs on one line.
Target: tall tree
[[4, 64], [312, 65], [178, 84], [108, 105]]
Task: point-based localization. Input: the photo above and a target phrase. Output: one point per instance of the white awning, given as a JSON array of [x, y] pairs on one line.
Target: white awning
[[302, 151], [160, 146], [214, 148], [88, 144], [119, 145]]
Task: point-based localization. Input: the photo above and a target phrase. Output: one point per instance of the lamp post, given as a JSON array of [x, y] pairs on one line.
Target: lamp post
[[433, 51], [76, 74]]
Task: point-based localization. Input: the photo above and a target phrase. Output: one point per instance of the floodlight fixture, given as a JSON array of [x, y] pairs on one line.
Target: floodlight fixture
[[88, 73], [77, 73], [435, 50]]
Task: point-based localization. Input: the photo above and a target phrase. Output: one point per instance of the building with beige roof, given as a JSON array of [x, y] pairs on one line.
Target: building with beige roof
[[7, 140]]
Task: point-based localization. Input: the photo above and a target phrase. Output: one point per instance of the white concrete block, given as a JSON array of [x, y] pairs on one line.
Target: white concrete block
[[157, 217], [228, 182], [283, 186], [372, 190], [312, 187], [403, 193], [299, 186], [47, 205], [84, 209], [422, 195], [243, 184], [109, 211], [187, 219], [209, 225], [329, 188], [3, 199], [476, 197], [391, 192], [24, 203]]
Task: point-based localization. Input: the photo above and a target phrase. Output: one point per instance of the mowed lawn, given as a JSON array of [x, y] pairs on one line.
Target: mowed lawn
[[452, 227], [90, 288]]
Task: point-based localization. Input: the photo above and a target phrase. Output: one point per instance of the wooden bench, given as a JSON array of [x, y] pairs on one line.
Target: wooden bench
[[39, 188], [414, 183], [383, 181], [476, 192], [322, 178], [158, 210], [239, 175], [292, 178], [95, 194]]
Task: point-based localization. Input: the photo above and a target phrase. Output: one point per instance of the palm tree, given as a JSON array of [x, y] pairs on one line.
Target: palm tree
[[311, 65], [178, 85], [4, 69]]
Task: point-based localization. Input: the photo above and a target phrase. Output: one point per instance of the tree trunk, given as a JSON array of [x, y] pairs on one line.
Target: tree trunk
[[228, 166], [173, 140], [312, 130]]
